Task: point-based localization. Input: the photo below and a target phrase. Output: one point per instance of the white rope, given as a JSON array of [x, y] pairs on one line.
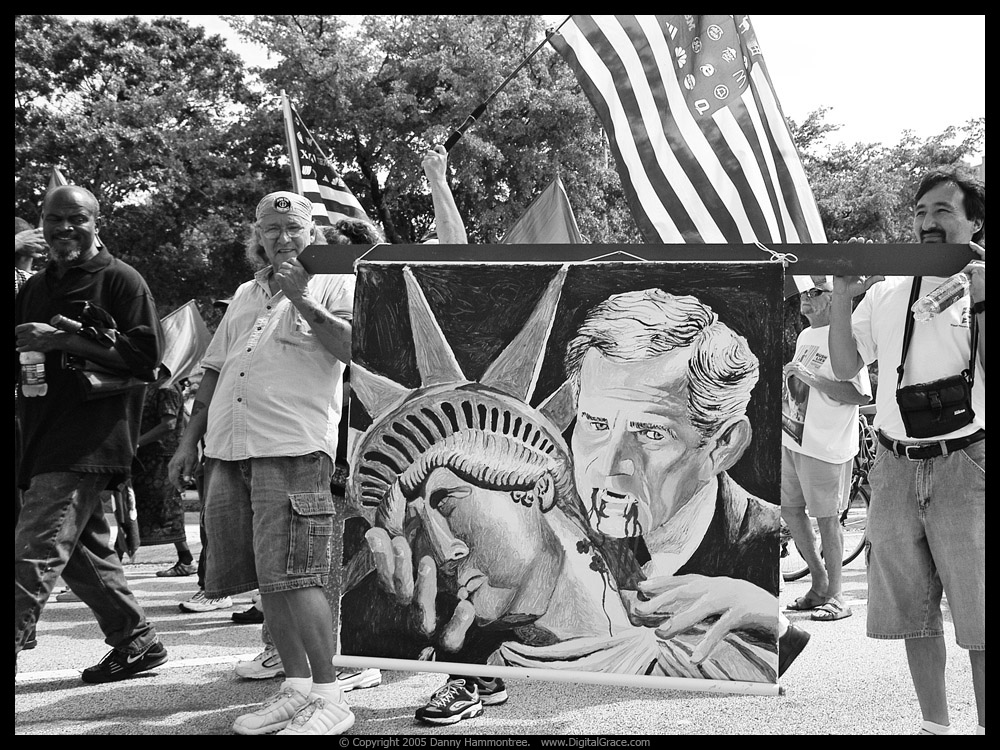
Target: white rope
[[616, 252], [362, 256], [783, 258]]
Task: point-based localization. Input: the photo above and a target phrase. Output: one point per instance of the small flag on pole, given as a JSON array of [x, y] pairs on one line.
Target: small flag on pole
[[314, 175], [56, 179], [186, 337], [548, 220], [702, 147]]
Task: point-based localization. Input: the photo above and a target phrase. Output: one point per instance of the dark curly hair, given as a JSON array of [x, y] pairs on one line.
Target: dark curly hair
[[353, 232]]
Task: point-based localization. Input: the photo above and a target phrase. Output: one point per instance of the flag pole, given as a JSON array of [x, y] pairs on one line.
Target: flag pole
[[478, 111], [293, 152]]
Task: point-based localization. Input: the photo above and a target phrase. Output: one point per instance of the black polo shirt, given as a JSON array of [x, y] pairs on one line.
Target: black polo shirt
[[62, 431]]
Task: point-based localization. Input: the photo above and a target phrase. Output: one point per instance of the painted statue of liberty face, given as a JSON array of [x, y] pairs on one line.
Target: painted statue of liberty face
[[502, 551], [637, 457]]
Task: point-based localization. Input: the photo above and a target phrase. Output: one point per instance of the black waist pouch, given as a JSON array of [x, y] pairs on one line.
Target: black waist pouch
[[936, 408]]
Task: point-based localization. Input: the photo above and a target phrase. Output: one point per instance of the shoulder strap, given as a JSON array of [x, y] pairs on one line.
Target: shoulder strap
[[908, 328], [970, 374]]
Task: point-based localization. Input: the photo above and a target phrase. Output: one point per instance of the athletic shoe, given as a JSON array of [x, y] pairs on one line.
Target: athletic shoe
[[177, 570], [272, 715], [118, 665], [492, 691], [320, 716], [201, 603], [452, 702], [352, 679], [263, 666], [252, 616], [67, 596]]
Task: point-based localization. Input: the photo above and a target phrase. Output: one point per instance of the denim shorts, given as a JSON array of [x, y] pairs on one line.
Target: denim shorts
[[269, 523], [821, 487], [927, 534]]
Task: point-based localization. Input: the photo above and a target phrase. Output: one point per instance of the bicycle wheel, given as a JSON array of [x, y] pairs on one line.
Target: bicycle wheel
[[853, 522], [793, 567]]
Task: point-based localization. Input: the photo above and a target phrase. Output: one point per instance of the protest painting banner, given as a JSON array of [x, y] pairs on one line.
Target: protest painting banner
[[522, 490]]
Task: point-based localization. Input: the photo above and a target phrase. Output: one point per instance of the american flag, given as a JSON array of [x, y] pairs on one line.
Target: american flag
[[703, 150], [315, 176]]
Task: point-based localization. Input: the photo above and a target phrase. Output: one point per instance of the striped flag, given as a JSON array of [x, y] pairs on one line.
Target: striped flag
[[549, 219], [315, 176], [703, 150]]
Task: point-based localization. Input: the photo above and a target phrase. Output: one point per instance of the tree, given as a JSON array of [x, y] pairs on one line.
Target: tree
[[151, 117], [866, 189], [379, 92]]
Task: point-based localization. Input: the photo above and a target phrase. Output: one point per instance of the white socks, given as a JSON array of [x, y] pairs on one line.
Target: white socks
[[329, 690]]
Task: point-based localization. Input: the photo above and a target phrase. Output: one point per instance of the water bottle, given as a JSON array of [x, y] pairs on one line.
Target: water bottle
[[33, 374], [941, 297]]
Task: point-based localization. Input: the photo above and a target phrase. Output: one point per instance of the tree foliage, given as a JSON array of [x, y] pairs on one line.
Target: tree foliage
[[148, 117], [178, 139], [378, 93]]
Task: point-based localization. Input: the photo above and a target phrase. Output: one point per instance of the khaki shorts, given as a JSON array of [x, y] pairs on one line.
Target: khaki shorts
[[822, 488]]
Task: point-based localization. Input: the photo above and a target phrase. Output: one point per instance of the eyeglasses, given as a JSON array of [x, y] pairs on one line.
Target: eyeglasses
[[813, 293], [274, 232]]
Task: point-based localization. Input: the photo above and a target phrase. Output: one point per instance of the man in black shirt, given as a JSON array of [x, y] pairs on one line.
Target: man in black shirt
[[77, 443]]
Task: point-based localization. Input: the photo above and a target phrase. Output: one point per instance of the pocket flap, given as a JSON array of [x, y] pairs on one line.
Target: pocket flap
[[312, 503]]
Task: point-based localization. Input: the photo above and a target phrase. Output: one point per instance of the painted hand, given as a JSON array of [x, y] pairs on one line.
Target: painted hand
[[394, 566], [675, 603]]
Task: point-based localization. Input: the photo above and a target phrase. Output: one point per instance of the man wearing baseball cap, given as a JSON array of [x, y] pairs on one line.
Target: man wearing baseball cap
[[819, 442], [268, 408]]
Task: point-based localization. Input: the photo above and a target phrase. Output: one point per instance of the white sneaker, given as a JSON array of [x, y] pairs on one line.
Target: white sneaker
[[352, 679], [263, 666], [320, 716], [272, 715], [201, 603]]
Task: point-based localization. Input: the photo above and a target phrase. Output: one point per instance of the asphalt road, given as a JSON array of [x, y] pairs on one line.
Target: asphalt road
[[842, 683]]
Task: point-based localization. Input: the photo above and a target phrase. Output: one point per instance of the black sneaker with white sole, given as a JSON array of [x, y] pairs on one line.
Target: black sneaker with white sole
[[492, 691], [452, 702], [118, 665]]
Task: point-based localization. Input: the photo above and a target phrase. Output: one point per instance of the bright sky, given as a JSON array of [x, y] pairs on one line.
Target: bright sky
[[880, 75]]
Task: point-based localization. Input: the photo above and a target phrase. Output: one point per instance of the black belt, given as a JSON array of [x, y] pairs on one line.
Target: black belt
[[920, 451]]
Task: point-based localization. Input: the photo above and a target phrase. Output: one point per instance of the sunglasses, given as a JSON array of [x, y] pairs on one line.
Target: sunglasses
[[813, 293]]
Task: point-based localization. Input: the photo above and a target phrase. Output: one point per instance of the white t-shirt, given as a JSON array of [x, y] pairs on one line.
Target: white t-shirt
[[938, 349], [817, 425]]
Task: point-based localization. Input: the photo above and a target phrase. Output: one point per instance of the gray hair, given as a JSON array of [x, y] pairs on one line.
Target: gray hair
[[640, 325]]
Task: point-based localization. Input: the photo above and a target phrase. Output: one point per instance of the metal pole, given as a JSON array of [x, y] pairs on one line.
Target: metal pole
[[478, 111]]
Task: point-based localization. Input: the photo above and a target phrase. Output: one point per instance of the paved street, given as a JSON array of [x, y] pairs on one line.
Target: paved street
[[843, 683]]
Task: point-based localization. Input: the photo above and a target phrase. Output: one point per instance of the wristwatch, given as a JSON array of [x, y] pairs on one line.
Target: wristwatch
[[979, 307]]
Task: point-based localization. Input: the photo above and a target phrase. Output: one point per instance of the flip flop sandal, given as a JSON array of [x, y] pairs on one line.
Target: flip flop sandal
[[831, 610], [806, 603]]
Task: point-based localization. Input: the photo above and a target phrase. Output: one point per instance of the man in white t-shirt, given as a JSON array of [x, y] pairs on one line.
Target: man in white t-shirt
[[927, 518], [819, 442]]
